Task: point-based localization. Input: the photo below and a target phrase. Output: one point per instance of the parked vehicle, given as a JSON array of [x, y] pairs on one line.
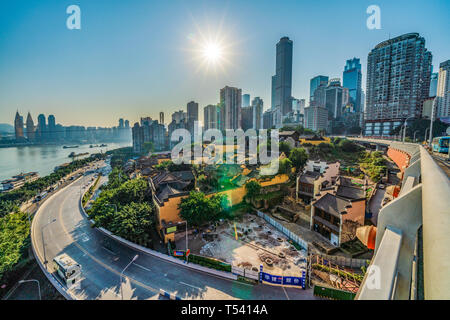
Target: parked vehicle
[[68, 270]]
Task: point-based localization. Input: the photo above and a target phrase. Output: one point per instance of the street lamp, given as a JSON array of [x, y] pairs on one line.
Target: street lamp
[[121, 274], [186, 243], [405, 125], [414, 139], [43, 240], [33, 280], [425, 137]]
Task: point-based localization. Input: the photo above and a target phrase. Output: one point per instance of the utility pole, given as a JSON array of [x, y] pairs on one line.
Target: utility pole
[[431, 122]]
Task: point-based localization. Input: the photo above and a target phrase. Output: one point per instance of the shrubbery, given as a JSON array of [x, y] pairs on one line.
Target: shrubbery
[[134, 218]]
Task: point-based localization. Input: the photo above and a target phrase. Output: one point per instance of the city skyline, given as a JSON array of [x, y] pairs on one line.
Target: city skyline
[[90, 82]]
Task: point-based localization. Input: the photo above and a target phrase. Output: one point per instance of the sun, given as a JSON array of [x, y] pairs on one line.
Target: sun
[[213, 48], [212, 52]]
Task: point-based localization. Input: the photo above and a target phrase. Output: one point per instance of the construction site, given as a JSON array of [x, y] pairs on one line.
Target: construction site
[[248, 243]]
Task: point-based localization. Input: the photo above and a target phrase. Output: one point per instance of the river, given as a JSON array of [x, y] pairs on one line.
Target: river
[[43, 158]]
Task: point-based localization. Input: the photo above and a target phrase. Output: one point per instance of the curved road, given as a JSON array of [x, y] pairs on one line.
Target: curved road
[[60, 227]]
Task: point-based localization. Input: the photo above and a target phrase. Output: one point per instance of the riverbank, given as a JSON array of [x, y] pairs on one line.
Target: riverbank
[[43, 158]]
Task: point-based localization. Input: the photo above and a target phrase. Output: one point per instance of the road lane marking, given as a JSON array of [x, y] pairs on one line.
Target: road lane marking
[[141, 266], [112, 252], [190, 285], [286, 293], [96, 259]]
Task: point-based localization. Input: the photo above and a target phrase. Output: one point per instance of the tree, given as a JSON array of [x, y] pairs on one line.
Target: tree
[[253, 188], [197, 209], [14, 232], [348, 146], [298, 157], [285, 166], [134, 222], [284, 147]]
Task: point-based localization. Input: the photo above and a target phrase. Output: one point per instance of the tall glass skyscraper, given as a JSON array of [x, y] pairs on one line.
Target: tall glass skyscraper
[[282, 80], [314, 84], [352, 78]]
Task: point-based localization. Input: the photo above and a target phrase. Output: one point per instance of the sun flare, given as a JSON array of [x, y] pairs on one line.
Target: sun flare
[[212, 52]]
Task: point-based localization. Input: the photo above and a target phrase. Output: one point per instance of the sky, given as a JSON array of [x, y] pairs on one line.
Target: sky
[[136, 58]]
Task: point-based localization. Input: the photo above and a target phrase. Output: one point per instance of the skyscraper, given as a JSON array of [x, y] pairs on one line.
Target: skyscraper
[[336, 97], [245, 100], [314, 83], [443, 91], [247, 118], [138, 138], [30, 128], [192, 115], [211, 117], [51, 129], [352, 78], [398, 81], [41, 128], [316, 118], [18, 126], [230, 104], [257, 105], [282, 80], [192, 111], [433, 84]]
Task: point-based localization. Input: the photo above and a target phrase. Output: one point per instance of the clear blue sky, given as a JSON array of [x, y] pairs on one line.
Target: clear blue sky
[[134, 58]]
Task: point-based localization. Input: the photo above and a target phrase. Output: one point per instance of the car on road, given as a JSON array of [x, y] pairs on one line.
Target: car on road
[[381, 186]]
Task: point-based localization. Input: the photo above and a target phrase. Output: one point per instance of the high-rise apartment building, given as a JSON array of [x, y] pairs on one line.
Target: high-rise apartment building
[[247, 118], [398, 81], [30, 128], [315, 83], [257, 105], [282, 80], [351, 80], [18, 126], [336, 98], [443, 91], [231, 104], [51, 128], [138, 138], [41, 128], [433, 84], [245, 100], [192, 111], [316, 118], [211, 117]]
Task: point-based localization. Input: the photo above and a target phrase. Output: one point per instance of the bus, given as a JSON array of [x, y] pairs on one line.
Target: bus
[[68, 270], [440, 144]]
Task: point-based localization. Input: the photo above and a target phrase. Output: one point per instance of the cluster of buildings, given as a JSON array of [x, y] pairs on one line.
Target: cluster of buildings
[[18, 181], [400, 87], [48, 131], [338, 204]]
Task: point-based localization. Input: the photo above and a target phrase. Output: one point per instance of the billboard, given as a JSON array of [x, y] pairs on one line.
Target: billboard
[[171, 229]]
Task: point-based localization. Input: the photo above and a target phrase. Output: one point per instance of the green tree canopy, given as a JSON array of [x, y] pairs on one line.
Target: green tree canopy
[[284, 147], [298, 157], [197, 209], [14, 232], [285, 166], [253, 188]]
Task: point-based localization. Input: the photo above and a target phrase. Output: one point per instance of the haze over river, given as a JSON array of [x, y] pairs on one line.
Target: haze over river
[[43, 158]]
